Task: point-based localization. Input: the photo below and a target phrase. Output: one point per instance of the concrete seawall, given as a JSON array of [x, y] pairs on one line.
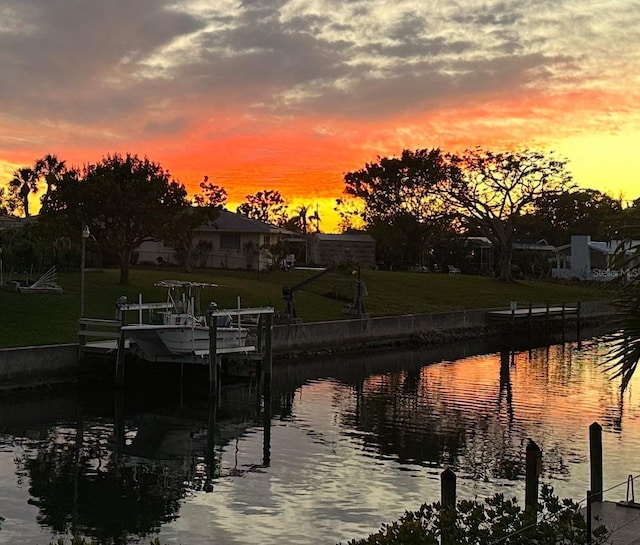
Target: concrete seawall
[[27, 367], [33, 366], [344, 333]]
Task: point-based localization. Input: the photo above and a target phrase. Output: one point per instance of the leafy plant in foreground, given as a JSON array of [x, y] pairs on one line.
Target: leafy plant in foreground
[[496, 520]]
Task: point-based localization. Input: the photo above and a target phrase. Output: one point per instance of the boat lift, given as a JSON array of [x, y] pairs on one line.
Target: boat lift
[[354, 309]]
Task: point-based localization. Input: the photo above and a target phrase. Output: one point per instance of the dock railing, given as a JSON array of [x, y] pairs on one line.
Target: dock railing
[[96, 330]]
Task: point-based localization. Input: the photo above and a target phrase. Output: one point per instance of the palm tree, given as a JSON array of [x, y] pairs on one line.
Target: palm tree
[[25, 181], [625, 354], [315, 218], [300, 218], [51, 168]]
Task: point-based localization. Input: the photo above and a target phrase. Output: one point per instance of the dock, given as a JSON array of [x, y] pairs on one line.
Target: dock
[[546, 312], [621, 520], [539, 318], [111, 339]]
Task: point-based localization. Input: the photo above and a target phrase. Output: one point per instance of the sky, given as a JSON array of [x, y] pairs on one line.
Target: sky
[[292, 94]]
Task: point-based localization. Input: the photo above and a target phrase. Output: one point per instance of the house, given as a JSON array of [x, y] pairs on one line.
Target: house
[[231, 241], [481, 256], [13, 222], [586, 259], [328, 249]]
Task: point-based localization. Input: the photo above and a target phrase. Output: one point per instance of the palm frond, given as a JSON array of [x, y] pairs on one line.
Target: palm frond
[[624, 356]]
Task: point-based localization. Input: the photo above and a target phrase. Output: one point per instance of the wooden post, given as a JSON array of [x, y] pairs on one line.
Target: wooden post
[[267, 353], [595, 454], [578, 322], [546, 322], [447, 488], [82, 338], [448, 506], [213, 356], [589, 515], [119, 427], [512, 306], [260, 340], [267, 368], [122, 315], [533, 470], [266, 425], [210, 457]]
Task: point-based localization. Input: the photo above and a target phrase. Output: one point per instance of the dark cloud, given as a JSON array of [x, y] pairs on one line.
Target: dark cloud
[[77, 53], [147, 66]]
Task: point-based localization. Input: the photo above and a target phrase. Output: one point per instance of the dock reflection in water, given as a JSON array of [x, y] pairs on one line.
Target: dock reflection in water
[[349, 443]]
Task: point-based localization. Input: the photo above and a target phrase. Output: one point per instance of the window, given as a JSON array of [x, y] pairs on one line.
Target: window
[[229, 241]]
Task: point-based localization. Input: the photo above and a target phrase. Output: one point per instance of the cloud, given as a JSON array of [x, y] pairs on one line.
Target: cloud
[[128, 74]]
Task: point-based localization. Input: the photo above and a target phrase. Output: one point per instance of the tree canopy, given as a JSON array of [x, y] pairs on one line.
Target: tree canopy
[[210, 194], [267, 206], [494, 190], [123, 199], [396, 187], [402, 205]]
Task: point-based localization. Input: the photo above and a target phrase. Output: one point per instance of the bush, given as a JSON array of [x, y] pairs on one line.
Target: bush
[[496, 520]]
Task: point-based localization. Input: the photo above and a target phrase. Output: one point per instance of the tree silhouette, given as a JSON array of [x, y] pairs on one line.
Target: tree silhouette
[[492, 191], [315, 219], [267, 206], [400, 203], [211, 194], [24, 182], [123, 199], [51, 169]]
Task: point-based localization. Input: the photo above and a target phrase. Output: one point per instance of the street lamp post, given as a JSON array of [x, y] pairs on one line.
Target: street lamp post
[[85, 236]]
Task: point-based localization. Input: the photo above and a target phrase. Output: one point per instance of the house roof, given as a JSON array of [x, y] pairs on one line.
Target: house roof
[[613, 246], [7, 221], [540, 246], [347, 237], [230, 222], [608, 248]]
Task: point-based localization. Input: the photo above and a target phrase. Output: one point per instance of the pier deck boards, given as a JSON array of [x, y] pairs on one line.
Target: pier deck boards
[[536, 312], [622, 521]]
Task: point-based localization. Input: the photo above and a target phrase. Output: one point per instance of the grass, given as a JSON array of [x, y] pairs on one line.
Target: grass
[[51, 319]]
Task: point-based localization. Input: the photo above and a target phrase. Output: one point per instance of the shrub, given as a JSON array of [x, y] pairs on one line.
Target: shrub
[[496, 520]]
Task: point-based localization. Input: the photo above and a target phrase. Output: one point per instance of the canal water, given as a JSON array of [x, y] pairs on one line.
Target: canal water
[[346, 444]]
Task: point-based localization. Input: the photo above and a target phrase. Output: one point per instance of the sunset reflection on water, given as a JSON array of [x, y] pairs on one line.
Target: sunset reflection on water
[[353, 442]]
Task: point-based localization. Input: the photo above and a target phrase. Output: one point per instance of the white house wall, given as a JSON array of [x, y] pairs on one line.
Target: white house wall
[[155, 252]]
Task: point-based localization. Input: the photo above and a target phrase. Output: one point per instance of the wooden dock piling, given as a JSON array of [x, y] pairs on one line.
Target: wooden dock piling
[[448, 505], [213, 358], [595, 455], [120, 354], [447, 488], [532, 476]]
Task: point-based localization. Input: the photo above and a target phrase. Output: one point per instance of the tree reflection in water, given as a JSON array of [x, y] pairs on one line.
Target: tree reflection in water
[[118, 478], [86, 488]]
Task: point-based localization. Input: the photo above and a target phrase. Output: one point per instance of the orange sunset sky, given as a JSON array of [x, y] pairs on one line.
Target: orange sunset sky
[[291, 94]]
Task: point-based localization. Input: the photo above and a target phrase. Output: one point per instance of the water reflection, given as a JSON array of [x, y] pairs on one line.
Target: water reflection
[[120, 476], [343, 445]]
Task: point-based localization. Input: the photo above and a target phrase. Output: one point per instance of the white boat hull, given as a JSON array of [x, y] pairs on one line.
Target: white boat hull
[[160, 340]]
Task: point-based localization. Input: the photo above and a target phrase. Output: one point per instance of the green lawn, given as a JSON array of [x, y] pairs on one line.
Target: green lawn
[[45, 319]]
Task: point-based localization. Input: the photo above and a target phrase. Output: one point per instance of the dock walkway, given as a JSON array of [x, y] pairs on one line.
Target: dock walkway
[[622, 521], [535, 312]]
